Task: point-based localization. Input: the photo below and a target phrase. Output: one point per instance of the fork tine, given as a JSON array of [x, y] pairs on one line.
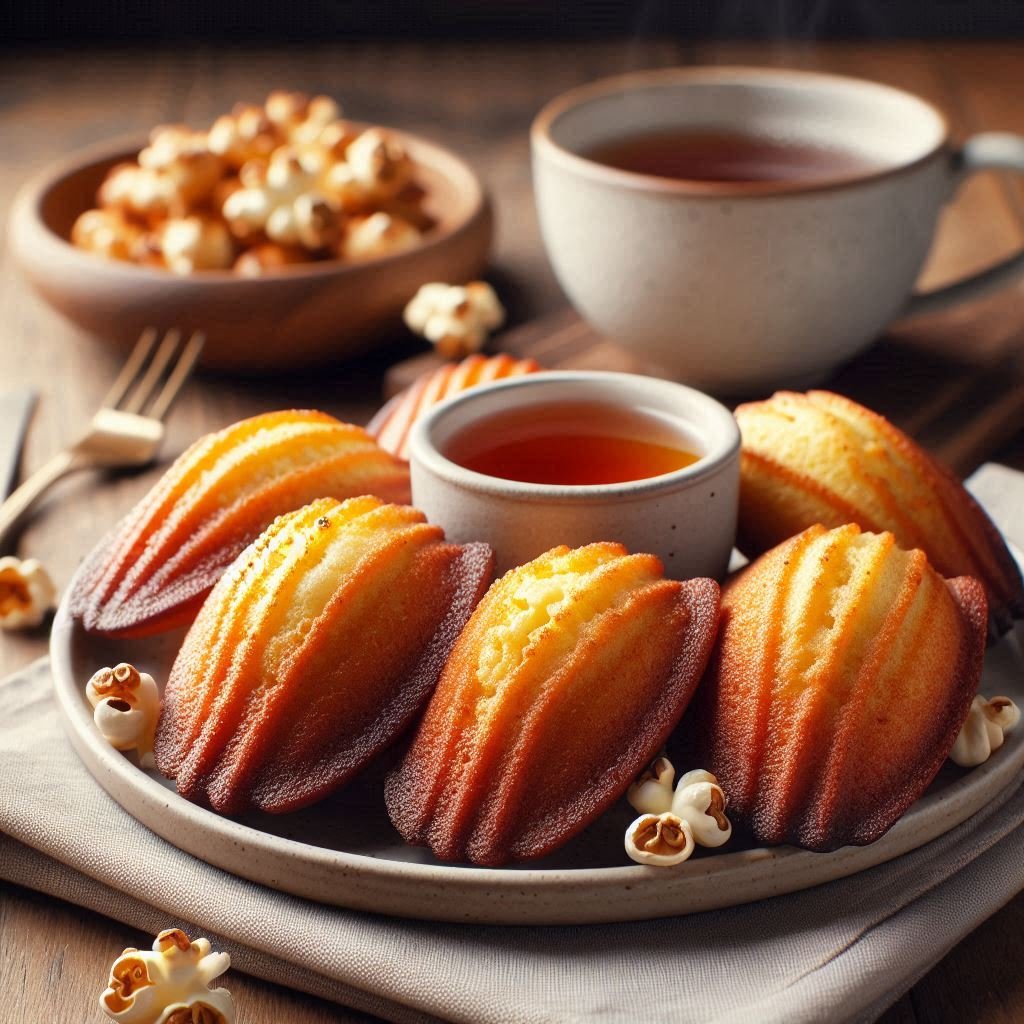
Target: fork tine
[[151, 378], [182, 369], [131, 369]]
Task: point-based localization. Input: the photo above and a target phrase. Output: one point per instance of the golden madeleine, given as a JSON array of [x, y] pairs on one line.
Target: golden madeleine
[[566, 681], [153, 570], [395, 421], [843, 671], [318, 647], [821, 458]]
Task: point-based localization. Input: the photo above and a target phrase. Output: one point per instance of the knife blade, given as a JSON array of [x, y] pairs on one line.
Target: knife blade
[[15, 412]]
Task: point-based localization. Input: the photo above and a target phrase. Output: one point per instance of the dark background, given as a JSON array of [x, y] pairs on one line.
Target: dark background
[[51, 22]]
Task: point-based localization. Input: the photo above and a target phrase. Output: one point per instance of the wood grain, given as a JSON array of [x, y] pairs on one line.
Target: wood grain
[[954, 380], [54, 964]]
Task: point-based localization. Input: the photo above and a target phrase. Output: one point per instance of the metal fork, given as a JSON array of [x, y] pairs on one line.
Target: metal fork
[[128, 428]]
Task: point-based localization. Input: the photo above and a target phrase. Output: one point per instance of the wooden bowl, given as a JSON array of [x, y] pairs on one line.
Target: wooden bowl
[[297, 316]]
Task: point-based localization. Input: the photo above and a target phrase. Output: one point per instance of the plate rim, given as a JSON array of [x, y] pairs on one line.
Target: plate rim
[[163, 809]]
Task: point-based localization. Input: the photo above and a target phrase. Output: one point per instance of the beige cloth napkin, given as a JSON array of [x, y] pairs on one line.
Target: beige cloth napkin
[[840, 952]]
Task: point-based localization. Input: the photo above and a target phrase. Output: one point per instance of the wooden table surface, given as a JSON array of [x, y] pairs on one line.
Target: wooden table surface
[[478, 98]]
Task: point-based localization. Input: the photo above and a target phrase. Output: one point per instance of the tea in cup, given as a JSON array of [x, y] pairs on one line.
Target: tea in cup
[[741, 229]]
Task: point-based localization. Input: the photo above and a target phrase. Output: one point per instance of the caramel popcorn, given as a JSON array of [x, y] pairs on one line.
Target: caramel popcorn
[[243, 135], [284, 203], [170, 984], [142, 193], [380, 234], [983, 733], [673, 821], [126, 707], [259, 259], [196, 243], [184, 157], [266, 186], [107, 233], [379, 163], [26, 593], [455, 319]]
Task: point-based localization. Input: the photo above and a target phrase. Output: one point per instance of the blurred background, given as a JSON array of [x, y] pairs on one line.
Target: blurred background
[[236, 21]]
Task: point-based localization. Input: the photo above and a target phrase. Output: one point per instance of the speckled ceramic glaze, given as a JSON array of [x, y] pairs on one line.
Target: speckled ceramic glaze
[[738, 286], [687, 518], [344, 851]]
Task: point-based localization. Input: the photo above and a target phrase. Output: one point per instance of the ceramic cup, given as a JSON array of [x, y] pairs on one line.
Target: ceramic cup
[[738, 286], [687, 518]]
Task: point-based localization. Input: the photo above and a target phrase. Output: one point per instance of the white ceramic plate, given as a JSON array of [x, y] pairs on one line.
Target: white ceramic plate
[[344, 850]]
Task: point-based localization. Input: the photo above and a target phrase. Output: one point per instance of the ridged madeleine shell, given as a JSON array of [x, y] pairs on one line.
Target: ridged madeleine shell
[[567, 680], [316, 649], [821, 458], [152, 571], [393, 424], [843, 671]]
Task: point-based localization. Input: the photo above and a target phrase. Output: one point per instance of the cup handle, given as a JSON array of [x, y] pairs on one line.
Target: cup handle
[[987, 151]]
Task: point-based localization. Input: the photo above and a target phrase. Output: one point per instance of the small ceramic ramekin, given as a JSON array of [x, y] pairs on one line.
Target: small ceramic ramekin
[[687, 518]]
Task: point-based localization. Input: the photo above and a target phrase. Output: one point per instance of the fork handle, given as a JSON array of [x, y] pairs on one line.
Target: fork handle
[[28, 493]]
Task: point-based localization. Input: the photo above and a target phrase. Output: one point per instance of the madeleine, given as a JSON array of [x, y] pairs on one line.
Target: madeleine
[[153, 570], [567, 680], [821, 458], [395, 421], [843, 671], [316, 649]]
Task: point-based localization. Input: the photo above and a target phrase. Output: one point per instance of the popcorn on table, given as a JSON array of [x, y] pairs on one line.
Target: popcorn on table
[[672, 823], [27, 593], [987, 723], [169, 985], [126, 708], [456, 319]]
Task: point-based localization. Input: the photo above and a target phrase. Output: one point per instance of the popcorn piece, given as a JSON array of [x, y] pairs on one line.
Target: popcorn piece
[[987, 723], [379, 163], [378, 235], [195, 243], [126, 707], [107, 233], [343, 185], [148, 250], [182, 155], [291, 112], [455, 319], [142, 192], [659, 839], [698, 802], [306, 121], [284, 202], [321, 148], [652, 792], [243, 135], [170, 985], [260, 259], [26, 593]]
